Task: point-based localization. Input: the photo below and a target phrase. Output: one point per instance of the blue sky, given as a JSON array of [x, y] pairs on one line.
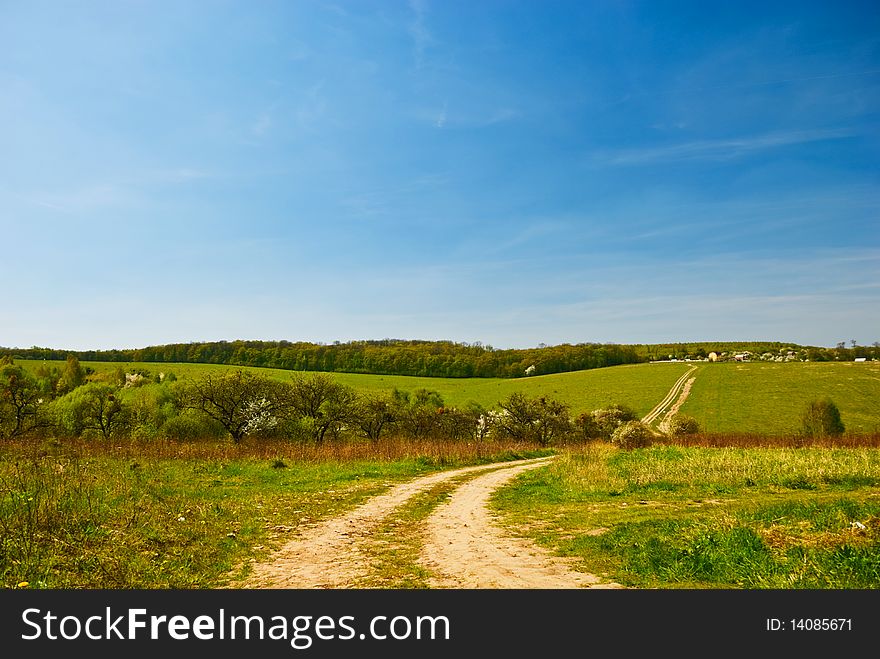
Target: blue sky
[[507, 172]]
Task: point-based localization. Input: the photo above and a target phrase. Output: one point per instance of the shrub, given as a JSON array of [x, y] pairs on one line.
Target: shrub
[[602, 423], [632, 434], [681, 424], [93, 408], [822, 419], [190, 425]]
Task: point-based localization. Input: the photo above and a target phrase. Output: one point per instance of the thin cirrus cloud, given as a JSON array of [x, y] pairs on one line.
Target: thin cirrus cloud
[[722, 149], [418, 30]]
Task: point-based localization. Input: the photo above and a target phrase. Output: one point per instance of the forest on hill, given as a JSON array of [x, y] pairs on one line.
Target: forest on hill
[[437, 358]]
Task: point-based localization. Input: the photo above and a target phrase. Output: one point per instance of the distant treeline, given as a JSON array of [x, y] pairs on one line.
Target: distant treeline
[[426, 358], [387, 357]]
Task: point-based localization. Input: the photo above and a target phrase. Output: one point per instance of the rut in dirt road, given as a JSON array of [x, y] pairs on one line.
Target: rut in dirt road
[[671, 395], [464, 548], [331, 554]]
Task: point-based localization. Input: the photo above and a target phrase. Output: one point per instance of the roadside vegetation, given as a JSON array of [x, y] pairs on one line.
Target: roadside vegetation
[[678, 517], [171, 514]]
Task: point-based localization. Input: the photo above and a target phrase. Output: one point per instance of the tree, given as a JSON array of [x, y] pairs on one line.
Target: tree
[[243, 403], [480, 420], [19, 400], [374, 413], [460, 423], [148, 408], [553, 420], [606, 420], [94, 406], [72, 375], [822, 419], [542, 420], [418, 414], [682, 424], [518, 416], [326, 404]]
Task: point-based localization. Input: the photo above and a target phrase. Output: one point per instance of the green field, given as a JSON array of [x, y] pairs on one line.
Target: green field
[[770, 398], [757, 397], [641, 386]]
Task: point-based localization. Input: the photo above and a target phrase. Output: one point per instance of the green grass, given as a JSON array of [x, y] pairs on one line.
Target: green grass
[[757, 397], [395, 547], [771, 398], [160, 515], [672, 517], [640, 386]]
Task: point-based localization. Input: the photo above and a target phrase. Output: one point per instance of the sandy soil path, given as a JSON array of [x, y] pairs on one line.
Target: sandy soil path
[[466, 549], [330, 554]]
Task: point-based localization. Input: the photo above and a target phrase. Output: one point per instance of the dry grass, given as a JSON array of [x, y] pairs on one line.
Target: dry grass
[[756, 440], [439, 452]]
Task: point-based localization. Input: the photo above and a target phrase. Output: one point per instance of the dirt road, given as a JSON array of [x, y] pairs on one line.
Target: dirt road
[[683, 383], [466, 549], [463, 547]]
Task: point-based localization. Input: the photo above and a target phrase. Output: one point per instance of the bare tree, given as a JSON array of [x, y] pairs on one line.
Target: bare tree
[[374, 413], [326, 404], [240, 401]]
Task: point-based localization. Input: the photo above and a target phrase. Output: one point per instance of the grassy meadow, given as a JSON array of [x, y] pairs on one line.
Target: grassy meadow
[[769, 398], [192, 515], [161, 514], [674, 517]]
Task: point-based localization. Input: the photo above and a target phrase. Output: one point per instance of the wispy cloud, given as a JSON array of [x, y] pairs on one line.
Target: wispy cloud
[[418, 30], [441, 119], [720, 150]]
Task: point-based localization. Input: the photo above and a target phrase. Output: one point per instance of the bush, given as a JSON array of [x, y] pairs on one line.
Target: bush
[[189, 425], [632, 434], [534, 419], [602, 423], [822, 419], [681, 424]]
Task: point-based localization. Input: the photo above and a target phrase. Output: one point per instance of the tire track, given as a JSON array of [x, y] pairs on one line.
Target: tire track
[[673, 393], [464, 548], [333, 554], [672, 411]]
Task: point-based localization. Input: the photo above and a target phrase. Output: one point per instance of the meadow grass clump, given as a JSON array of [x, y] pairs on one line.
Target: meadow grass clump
[[738, 552], [784, 440]]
